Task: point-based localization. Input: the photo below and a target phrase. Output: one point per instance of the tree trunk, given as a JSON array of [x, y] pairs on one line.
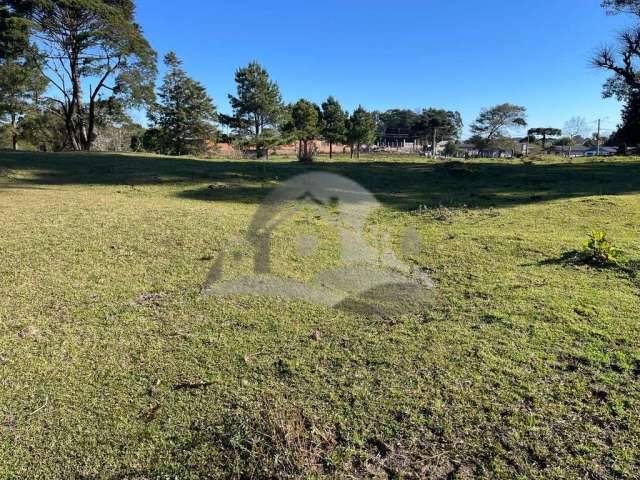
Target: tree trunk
[[92, 115], [330, 150], [434, 147], [75, 117], [259, 151], [14, 132]]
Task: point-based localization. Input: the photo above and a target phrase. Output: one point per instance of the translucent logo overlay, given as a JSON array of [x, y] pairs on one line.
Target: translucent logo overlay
[[365, 275]]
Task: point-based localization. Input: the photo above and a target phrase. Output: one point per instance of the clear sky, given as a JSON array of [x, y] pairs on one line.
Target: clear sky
[[455, 54]]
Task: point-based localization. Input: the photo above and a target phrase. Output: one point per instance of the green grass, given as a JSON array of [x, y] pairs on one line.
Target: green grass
[[524, 366]]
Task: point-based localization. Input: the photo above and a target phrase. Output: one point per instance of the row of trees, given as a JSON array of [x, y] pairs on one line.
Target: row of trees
[[184, 118], [70, 69], [71, 46]]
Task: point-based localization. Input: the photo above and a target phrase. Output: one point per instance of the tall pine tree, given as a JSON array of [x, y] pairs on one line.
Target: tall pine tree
[[185, 114], [361, 130], [21, 83], [305, 126], [335, 123], [257, 108]]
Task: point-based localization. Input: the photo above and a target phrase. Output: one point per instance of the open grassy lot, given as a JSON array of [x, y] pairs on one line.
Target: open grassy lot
[[113, 364]]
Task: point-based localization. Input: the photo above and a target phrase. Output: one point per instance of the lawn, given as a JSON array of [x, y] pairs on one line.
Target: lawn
[[114, 364]]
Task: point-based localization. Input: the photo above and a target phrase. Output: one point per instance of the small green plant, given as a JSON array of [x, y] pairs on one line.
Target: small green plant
[[598, 250]]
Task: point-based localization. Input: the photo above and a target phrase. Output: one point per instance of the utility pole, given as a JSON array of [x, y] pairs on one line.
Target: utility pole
[[598, 139]]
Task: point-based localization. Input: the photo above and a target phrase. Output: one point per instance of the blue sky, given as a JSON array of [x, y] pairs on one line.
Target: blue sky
[[454, 54]]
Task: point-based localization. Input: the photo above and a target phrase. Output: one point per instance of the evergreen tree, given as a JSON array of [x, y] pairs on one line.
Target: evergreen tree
[[257, 108], [152, 140], [305, 126], [44, 128], [21, 84], [628, 132], [434, 125], [185, 113], [544, 132], [334, 123], [87, 42], [361, 130]]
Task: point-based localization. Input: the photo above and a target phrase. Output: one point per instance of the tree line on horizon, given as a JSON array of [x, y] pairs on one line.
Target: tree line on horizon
[[70, 71]]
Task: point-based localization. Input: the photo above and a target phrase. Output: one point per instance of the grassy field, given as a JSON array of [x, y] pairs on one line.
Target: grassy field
[[113, 364]]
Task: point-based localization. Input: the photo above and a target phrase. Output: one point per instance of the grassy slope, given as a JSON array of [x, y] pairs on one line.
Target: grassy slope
[[524, 366]]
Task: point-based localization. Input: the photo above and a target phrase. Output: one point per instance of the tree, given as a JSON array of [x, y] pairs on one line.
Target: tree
[[21, 84], [152, 140], [451, 148], [622, 63], [305, 125], [95, 42], [398, 120], [43, 128], [114, 127], [594, 140], [184, 114], [361, 130], [493, 124], [622, 6], [628, 132], [257, 107], [574, 128], [544, 132], [334, 123], [437, 124]]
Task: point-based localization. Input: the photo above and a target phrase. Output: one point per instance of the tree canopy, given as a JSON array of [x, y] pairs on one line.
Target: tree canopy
[[184, 114], [361, 129], [257, 107], [334, 129], [622, 6], [305, 126], [544, 132], [438, 125], [495, 123], [622, 62], [21, 85], [398, 120], [94, 42]]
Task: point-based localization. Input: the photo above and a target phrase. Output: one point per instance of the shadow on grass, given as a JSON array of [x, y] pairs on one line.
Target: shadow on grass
[[400, 185], [628, 268]]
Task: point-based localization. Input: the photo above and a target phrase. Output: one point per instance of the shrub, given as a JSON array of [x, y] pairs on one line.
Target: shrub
[[598, 250]]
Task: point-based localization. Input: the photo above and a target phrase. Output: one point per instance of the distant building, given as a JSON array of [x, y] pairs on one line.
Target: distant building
[[511, 148], [469, 150], [604, 151], [398, 139], [583, 151]]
